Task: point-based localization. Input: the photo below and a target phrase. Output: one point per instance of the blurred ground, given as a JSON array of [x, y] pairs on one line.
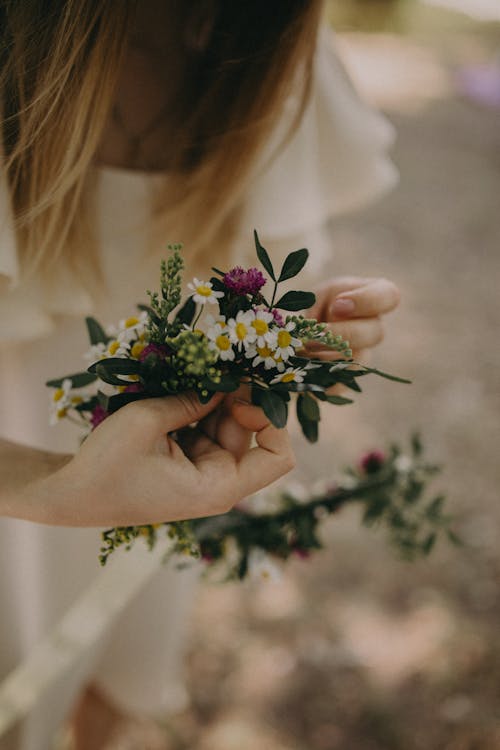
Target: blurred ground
[[356, 650]]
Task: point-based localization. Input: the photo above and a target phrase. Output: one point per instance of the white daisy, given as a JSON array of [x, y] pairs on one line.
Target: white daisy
[[265, 334], [202, 292], [222, 345], [262, 355], [61, 400], [291, 375], [133, 327], [286, 342], [261, 567], [241, 331], [215, 320]]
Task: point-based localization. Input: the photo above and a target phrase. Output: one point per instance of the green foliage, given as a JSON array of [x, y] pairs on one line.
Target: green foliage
[[96, 332], [413, 529], [263, 256], [293, 264]]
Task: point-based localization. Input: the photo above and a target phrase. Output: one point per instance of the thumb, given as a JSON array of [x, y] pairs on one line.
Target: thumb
[[174, 412]]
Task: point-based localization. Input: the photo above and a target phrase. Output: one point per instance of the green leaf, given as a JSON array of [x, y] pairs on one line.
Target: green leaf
[[296, 301], [217, 285], [386, 375], [187, 312], [78, 380], [416, 444], [218, 271], [435, 507], [97, 335], [274, 406], [429, 542], [122, 399], [118, 365], [263, 256], [337, 400], [308, 416], [310, 407], [454, 538], [293, 264]]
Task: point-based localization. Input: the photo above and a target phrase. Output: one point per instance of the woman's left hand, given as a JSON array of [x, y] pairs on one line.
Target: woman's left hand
[[352, 306]]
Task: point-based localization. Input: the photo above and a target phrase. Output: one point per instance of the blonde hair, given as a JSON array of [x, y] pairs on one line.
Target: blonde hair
[[58, 75]]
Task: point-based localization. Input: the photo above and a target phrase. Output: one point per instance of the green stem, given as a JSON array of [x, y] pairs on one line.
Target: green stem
[[197, 319]]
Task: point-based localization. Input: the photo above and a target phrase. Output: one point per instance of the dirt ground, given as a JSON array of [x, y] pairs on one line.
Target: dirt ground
[[354, 649]]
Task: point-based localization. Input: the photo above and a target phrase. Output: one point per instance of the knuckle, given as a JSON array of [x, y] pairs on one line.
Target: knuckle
[[189, 407], [142, 413], [289, 461]]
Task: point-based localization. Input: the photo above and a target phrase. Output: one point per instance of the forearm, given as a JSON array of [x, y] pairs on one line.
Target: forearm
[[21, 468]]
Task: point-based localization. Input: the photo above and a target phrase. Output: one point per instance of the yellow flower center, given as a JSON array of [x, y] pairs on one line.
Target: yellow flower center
[[264, 351], [284, 339], [130, 322], [288, 377], [223, 343], [204, 290], [137, 348], [76, 400], [260, 326], [61, 413], [58, 395], [241, 330], [113, 347]]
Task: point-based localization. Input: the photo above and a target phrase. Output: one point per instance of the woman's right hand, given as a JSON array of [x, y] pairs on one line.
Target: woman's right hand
[[131, 471]]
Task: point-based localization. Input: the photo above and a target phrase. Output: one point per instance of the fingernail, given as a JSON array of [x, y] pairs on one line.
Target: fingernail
[[343, 306], [242, 401]]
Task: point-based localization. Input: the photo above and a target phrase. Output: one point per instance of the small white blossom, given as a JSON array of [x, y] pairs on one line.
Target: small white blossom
[[62, 399], [261, 567], [202, 292], [291, 375], [266, 336], [286, 343], [263, 355], [133, 327], [218, 337], [241, 331]]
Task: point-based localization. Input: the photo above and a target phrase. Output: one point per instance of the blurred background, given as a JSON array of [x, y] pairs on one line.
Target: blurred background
[[355, 649]]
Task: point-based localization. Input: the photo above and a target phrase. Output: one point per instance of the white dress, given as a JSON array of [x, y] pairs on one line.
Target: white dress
[[336, 161]]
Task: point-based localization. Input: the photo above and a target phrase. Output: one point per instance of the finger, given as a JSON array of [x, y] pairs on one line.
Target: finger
[[228, 433], [195, 443], [377, 297], [172, 412], [329, 290], [364, 333], [271, 459]]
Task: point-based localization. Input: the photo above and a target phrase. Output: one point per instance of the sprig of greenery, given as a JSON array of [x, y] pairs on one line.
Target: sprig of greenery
[[392, 492]]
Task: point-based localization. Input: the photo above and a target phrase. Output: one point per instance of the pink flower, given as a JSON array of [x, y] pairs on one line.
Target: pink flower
[[161, 350], [372, 461], [244, 282], [278, 318], [98, 415]]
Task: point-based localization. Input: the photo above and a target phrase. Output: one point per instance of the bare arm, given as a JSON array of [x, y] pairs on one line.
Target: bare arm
[[131, 471], [20, 468]]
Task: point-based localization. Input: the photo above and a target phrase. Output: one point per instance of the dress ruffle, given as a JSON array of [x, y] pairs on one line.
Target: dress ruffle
[[336, 161]]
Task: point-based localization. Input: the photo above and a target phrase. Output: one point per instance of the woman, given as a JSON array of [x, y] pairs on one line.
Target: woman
[[125, 124]]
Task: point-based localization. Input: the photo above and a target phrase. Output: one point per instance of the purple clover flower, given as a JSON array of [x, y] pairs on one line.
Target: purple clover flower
[[243, 282]]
